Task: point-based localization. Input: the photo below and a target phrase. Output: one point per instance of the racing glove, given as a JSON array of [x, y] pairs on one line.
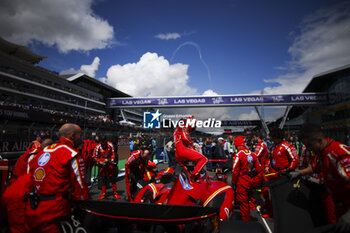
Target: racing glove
[[294, 175], [343, 224]]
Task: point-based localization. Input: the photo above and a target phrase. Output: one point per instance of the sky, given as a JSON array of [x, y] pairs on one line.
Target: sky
[[186, 47]]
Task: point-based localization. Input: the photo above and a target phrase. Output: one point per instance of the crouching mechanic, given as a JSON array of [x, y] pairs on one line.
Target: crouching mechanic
[[184, 145], [333, 160], [56, 177], [104, 156], [246, 170], [135, 169]]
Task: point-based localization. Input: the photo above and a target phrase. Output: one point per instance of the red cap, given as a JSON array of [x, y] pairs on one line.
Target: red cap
[[239, 141]]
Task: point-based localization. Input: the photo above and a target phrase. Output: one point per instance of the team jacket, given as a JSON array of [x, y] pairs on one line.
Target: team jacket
[[15, 196], [33, 145], [135, 166], [186, 151], [135, 161], [284, 156], [58, 175], [245, 168], [334, 162], [87, 152], [22, 164], [100, 154], [262, 153], [59, 168], [181, 137]]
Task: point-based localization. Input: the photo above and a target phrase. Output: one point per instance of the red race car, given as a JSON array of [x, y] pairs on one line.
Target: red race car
[[178, 188]]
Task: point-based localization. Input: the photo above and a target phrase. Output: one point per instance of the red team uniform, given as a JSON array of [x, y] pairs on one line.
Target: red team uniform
[[107, 170], [56, 172], [15, 203], [262, 153], [135, 170], [185, 150], [21, 167], [245, 171], [334, 162], [284, 156], [33, 145]]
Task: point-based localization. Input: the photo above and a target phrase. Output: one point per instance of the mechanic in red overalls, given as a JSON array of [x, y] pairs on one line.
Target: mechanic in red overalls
[[135, 170], [184, 145], [57, 178], [333, 160], [262, 153], [37, 142], [104, 156], [21, 166], [15, 205], [245, 172], [284, 156]]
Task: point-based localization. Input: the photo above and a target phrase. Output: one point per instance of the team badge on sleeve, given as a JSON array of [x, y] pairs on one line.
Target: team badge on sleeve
[[250, 158], [44, 159]]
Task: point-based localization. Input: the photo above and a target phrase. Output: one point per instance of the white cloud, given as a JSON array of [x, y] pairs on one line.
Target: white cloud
[[67, 24], [86, 69], [168, 36], [69, 71], [269, 113], [219, 113], [249, 116], [91, 69], [209, 92], [152, 75], [322, 44]]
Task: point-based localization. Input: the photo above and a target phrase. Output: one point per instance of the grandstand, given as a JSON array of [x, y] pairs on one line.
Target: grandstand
[[34, 99], [334, 116]]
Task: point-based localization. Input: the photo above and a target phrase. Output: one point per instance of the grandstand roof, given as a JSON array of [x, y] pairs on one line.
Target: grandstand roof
[[19, 51], [81, 77], [321, 82]]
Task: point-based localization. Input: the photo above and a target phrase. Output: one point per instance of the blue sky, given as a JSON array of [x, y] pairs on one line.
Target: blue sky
[[246, 46]]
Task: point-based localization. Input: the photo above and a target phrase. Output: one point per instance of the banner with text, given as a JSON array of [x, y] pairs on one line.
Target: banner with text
[[220, 101]]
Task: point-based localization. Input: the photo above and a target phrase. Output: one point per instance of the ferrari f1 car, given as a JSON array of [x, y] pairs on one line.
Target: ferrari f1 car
[[179, 188], [296, 208]]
